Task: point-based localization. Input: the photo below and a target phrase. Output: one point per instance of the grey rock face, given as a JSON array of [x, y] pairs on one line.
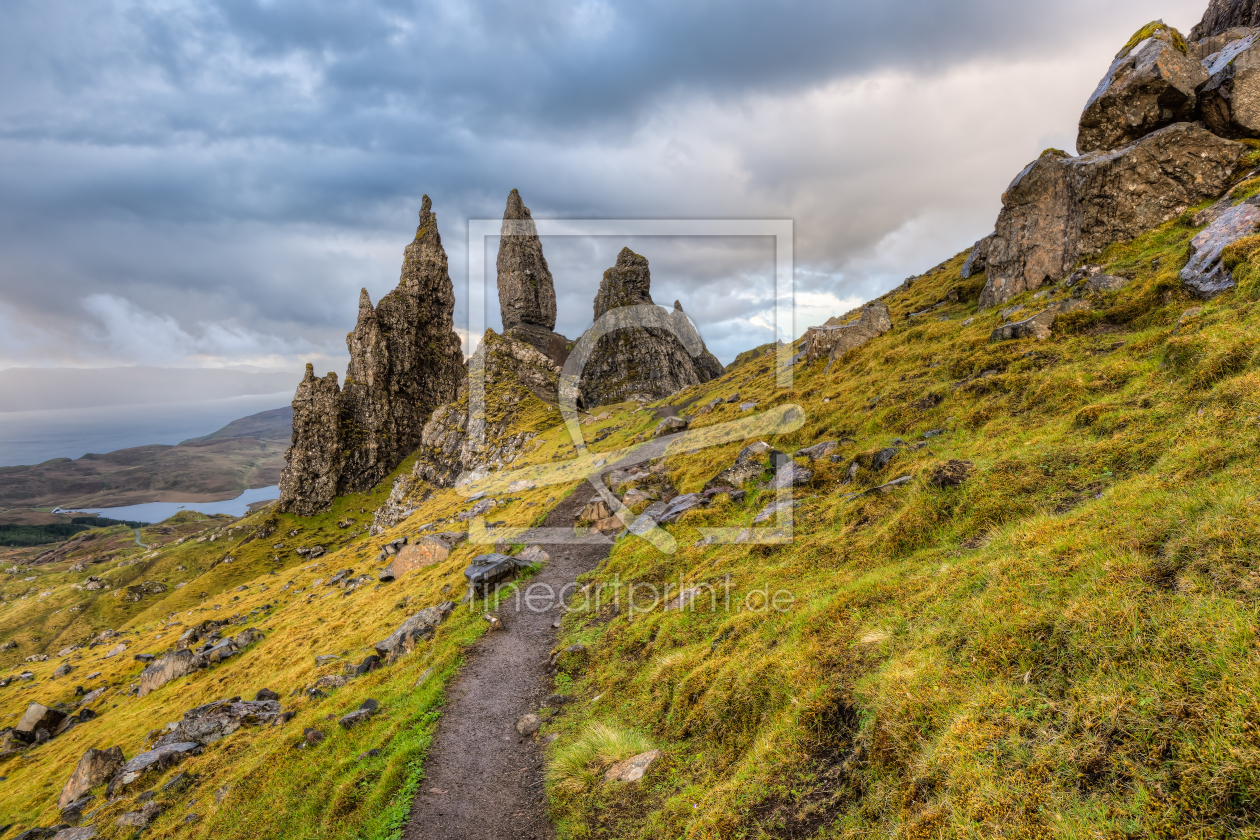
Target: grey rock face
[[1222, 15], [978, 259], [1205, 274], [405, 360], [640, 349], [833, 341], [527, 294], [1147, 87], [1230, 100], [1062, 208], [94, 768]]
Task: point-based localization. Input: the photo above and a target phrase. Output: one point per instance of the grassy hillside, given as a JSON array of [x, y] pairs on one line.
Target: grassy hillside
[[1063, 645]]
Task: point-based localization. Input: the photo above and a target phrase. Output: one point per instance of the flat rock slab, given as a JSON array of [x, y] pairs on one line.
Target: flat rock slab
[[153, 760], [1205, 275]]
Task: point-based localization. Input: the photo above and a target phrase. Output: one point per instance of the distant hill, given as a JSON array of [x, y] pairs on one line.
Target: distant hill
[[248, 452]]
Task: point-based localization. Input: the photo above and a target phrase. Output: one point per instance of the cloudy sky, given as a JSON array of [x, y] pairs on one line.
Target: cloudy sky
[[208, 184]]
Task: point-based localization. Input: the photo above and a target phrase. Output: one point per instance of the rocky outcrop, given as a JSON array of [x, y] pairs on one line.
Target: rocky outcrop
[[1206, 275], [527, 294], [95, 768], [152, 762], [832, 341], [1061, 208], [417, 627], [1230, 99], [1151, 84], [405, 360], [1223, 15], [978, 260], [637, 348], [517, 377]]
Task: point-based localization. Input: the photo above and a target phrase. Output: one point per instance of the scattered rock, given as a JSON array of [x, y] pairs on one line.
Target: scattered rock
[[818, 450], [153, 761], [212, 722], [94, 768], [141, 818], [86, 832], [265, 694], [1205, 275], [1192, 312], [680, 505], [528, 725], [952, 473], [37, 717], [1039, 325], [749, 464], [632, 769], [312, 736], [418, 626], [791, 475]]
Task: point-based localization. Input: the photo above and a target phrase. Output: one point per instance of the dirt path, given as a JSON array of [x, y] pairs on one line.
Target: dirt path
[[482, 780]]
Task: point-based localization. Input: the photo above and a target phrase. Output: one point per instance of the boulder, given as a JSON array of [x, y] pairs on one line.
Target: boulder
[[169, 666], [266, 694], [680, 505], [405, 361], [1038, 326], [1229, 101], [669, 426], [37, 717], [528, 725], [153, 761], [86, 832], [632, 769], [1061, 208], [1206, 275], [834, 340], [818, 450], [215, 721], [96, 767], [418, 626], [978, 259], [635, 347], [424, 551], [140, 819], [1150, 85]]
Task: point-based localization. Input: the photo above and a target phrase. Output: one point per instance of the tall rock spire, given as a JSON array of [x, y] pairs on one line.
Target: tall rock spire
[[405, 361], [526, 292]]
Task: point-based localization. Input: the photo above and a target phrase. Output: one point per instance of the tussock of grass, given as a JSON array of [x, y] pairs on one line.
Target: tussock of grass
[[576, 767]]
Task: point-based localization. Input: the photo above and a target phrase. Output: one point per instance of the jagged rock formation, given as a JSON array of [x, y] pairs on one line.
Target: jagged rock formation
[[404, 361], [834, 340], [1230, 100], [629, 357], [1061, 208], [1151, 84], [1222, 15], [527, 295], [518, 379]]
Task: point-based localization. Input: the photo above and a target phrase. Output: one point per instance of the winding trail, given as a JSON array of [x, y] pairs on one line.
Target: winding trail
[[482, 780], [142, 545]]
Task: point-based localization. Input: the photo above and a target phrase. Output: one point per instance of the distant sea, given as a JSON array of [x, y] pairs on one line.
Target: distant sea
[[159, 511], [32, 437]]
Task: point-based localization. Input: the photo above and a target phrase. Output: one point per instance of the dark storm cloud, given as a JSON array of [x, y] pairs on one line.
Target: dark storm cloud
[[219, 178]]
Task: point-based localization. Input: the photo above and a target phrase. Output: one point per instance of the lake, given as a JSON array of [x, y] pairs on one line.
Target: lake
[[158, 511]]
